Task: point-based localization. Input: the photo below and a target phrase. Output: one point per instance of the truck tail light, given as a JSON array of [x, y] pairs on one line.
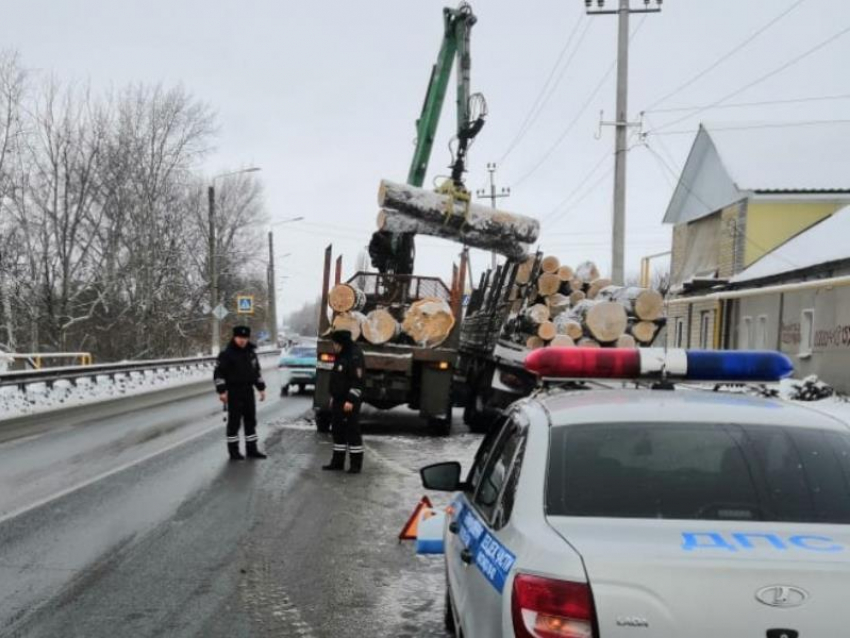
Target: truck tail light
[[546, 608], [327, 358]]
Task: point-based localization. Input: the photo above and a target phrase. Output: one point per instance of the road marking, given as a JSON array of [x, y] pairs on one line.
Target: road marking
[[104, 475], [4, 518]]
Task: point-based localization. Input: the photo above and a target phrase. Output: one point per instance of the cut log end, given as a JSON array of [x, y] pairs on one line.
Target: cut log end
[[562, 341], [644, 331], [550, 264], [535, 343], [380, 327], [626, 341], [548, 284], [346, 298], [547, 331], [350, 321], [429, 322]]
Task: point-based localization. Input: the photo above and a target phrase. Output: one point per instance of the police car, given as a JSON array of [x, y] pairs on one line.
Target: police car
[[651, 512]]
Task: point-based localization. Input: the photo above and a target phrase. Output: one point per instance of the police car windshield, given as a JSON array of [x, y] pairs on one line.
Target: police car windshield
[[702, 471]]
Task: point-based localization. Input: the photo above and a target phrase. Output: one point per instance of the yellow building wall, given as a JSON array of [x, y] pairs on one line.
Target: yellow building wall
[[772, 224]]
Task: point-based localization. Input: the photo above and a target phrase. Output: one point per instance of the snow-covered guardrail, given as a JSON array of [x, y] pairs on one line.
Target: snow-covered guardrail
[[49, 376]]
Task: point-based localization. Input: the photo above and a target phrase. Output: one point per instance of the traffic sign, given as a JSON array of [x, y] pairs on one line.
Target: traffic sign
[[220, 312], [263, 335], [245, 304]]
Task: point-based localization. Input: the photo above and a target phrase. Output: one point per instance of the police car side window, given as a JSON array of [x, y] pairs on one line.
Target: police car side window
[[497, 471], [483, 454]]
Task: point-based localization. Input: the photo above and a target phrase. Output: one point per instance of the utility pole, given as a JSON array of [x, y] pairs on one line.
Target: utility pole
[[622, 124], [272, 293], [493, 196], [216, 328]]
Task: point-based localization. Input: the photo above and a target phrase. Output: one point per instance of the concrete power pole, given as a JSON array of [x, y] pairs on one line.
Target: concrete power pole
[[622, 124], [272, 293], [493, 196]]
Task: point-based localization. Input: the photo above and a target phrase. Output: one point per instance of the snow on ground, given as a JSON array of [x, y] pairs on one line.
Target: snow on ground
[[39, 398]]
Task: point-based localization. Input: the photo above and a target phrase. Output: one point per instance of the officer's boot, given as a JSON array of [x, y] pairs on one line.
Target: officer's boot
[[337, 463], [233, 450], [252, 452], [355, 465]]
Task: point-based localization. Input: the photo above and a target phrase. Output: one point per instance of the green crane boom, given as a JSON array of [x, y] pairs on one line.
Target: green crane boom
[[395, 253]]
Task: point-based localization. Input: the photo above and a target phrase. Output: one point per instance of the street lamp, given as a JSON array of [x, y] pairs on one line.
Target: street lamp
[[214, 300]]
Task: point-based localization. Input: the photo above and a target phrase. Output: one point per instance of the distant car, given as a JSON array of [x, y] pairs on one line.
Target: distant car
[[297, 368], [657, 512]]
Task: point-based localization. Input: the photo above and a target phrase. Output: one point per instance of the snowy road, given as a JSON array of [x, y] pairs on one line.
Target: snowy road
[[140, 527]]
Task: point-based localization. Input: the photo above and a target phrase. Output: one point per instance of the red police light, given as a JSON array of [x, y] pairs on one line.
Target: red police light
[[585, 363]]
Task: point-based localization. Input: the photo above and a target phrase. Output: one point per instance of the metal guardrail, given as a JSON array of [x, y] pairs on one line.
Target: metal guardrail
[[50, 376]]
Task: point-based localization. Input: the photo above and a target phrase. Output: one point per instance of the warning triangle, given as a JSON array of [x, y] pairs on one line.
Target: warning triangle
[[410, 530]]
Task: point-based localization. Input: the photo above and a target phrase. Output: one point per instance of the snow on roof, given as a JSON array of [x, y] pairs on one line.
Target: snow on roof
[[822, 243], [791, 159]]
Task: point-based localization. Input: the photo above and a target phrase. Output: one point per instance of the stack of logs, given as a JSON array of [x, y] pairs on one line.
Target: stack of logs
[[560, 306], [426, 323]]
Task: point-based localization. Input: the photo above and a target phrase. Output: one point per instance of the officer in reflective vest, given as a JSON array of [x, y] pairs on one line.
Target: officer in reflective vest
[[346, 389], [236, 375]]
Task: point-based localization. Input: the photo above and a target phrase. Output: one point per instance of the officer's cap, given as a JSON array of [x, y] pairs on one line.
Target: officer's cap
[[242, 331]]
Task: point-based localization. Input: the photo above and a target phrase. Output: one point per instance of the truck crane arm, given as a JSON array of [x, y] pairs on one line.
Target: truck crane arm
[[395, 253]]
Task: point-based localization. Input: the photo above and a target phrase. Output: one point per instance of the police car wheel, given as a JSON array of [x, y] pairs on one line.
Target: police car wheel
[[284, 390], [449, 618]]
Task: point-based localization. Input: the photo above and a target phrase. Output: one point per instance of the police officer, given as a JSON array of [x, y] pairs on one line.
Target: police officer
[[346, 389], [236, 375]]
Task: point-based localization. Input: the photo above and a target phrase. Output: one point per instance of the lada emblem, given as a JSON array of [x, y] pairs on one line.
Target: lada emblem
[[782, 596]]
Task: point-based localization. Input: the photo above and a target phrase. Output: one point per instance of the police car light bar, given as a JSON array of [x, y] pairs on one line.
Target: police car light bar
[[742, 366]]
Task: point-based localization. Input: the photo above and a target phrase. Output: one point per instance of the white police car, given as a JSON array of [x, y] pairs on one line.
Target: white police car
[[651, 512]]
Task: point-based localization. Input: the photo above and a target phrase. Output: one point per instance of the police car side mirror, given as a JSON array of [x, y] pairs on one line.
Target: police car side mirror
[[443, 477]]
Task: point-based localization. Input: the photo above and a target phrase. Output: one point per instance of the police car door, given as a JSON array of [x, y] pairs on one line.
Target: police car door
[[465, 526], [492, 559]]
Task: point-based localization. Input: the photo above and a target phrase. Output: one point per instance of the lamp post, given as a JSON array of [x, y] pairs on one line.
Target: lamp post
[[215, 322], [272, 292]]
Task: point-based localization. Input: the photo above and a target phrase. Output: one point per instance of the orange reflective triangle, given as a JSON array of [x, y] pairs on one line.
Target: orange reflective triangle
[[411, 529]]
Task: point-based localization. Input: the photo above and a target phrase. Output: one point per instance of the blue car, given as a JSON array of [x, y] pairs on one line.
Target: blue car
[[297, 367]]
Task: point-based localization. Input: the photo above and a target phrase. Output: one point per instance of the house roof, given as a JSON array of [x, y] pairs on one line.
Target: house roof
[[791, 159], [728, 164], [823, 243]]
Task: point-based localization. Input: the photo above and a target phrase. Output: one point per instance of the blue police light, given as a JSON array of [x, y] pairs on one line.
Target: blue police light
[[741, 365]]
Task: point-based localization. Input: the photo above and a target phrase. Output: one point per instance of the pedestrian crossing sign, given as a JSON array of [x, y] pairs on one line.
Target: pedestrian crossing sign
[[245, 304]]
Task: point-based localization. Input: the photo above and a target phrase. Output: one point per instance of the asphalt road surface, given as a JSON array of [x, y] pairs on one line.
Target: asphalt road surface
[[139, 526]]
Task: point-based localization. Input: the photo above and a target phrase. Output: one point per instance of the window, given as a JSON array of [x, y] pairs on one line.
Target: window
[[761, 333], [498, 470], [705, 341], [807, 332], [680, 333], [483, 453], [704, 471], [745, 341]]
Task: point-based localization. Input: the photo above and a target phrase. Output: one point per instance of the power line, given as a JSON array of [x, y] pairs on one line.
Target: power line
[[740, 105], [541, 101], [740, 47], [559, 140], [581, 185], [787, 65], [590, 190], [749, 127]]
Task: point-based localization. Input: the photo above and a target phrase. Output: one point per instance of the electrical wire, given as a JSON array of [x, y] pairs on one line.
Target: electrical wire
[[545, 93], [576, 190], [560, 139], [785, 66], [751, 127], [740, 47], [574, 206], [740, 105]]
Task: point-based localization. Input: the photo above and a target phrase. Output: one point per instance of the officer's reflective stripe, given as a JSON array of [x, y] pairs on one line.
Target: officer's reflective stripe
[[355, 450], [340, 448], [355, 392], [252, 437], [233, 439]]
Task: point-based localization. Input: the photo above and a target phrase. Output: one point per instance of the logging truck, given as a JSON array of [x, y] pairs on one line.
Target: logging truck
[[524, 305], [409, 330]]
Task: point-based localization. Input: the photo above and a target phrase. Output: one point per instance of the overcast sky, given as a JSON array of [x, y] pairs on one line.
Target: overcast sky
[[324, 95]]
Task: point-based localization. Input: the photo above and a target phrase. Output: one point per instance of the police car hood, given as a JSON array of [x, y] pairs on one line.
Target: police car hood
[[677, 579]]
